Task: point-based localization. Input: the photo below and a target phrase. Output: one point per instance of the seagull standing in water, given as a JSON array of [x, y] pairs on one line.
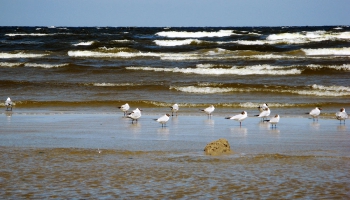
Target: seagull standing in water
[[314, 113], [263, 107], [274, 120], [135, 115], [124, 108], [341, 115], [209, 110], [264, 114], [174, 109], [163, 119], [8, 103], [239, 117]]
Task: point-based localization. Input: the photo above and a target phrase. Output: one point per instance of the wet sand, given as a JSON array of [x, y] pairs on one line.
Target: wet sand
[[103, 155]]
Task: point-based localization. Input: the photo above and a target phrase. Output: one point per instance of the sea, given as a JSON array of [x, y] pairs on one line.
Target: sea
[[292, 69], [65, 137]]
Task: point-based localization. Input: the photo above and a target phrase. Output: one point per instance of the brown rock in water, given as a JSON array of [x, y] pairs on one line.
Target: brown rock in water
[[218, 147]]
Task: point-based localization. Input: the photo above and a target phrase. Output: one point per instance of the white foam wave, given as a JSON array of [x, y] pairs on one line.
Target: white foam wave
[[200, 34], [247, 70], [334, 92], [202, 90], [331, 88], [21, 55], [47, 66], [7, 64], [84, 43], [110, 55], [114, 84], [27, 34], [304, 37], [344, 67], [176, 42], [327, 51], [122, 41]]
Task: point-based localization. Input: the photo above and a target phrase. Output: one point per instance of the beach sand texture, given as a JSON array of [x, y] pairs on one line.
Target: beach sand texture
[[104, 156]]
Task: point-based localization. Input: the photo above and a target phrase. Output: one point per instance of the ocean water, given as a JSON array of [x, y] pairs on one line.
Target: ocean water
[[293, 69], [66, 138]]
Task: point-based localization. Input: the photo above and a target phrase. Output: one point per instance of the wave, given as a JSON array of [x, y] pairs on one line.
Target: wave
[[47, 66], [235, 70], [113, 84], [331, 88], [28, 34], [7, 64], [96, 54], [179, 42], [21, 55], [315, 36], [344, 67], [328, 51], [122, 41], [314, 90], [199, 34], [84, 43]]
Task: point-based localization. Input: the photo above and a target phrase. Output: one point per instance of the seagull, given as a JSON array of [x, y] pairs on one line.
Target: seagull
[[315, 113], [239, 117], [8, 103], [209, 110], [341, 115], [263, 107], [134, 115], [163, 119], [274, 120], [124, 108], [174, 108], [264, 114]]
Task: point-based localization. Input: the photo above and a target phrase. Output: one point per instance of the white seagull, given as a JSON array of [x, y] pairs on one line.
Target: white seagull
[[341, 115], [163, 119], [314, 113], [263, 107], [274, 120], [8, 103], [174, 108], [239, 117], [209, 110], [135, 115], [264, 114], [124, 108]]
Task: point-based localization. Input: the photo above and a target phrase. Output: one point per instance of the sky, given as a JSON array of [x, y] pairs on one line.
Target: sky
[[174, 13]]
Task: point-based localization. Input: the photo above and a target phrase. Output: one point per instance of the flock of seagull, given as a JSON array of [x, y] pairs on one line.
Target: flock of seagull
[[264, 113]]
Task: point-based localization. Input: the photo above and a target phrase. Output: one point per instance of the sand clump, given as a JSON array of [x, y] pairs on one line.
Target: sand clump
[[218, 147]]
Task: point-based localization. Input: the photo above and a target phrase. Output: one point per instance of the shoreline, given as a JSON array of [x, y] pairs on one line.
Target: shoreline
[[182, 133]]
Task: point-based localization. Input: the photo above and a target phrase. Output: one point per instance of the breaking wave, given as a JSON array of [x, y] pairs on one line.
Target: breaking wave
[[199, 34], [21, 55], [235, 70]]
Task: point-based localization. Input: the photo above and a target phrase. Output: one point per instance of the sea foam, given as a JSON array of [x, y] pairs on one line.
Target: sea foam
[[327, 51], [21, 55], [176, 42], [185, 34], [246, 70], [84, 43], [47, 66]]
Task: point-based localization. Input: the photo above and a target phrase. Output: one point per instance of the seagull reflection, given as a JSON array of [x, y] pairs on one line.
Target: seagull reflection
[[163, 131], [315, 125], [209, 122], [341, 128], [239, 131]]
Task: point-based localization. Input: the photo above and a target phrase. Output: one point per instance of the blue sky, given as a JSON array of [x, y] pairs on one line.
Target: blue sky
[[150, 13]]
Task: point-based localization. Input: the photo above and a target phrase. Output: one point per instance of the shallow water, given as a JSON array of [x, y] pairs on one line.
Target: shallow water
[[104, 156]]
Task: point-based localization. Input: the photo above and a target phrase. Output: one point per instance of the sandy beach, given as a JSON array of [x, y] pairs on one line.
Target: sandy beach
[[104, 155]]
